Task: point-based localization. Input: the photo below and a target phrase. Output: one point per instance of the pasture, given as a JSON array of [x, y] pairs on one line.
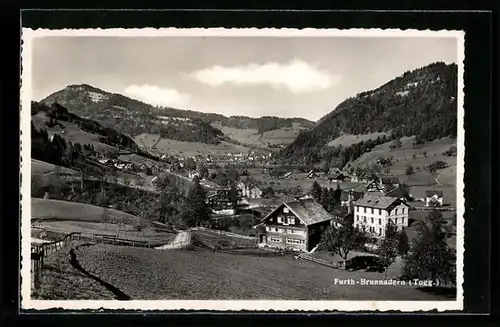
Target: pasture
[[46, 209], [186, 149], [203, 275], [284, 135], [350, 139], [71, 133]]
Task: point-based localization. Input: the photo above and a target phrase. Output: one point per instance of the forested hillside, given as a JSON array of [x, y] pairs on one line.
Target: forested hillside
[[421, 103], [134, 117]]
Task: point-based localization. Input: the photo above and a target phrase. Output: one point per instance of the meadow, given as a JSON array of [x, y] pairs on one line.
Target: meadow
[[203, 275]]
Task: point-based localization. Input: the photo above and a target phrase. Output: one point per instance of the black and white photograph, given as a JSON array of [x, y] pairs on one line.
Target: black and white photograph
[[242, 169]]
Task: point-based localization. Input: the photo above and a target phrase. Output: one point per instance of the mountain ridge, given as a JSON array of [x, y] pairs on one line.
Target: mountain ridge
[[420, 103], [122, 111]]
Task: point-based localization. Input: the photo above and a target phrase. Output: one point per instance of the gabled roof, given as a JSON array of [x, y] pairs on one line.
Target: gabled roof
[[308, 211], [431, 193], [378, 202], [397, 192]]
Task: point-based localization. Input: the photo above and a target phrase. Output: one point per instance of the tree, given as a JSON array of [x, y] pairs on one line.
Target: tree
[[202, 170], [403, 243], [195, 211], [429, 257], [268, 192], [409, 170], [389, 248], [340, 240], [233, 195], [316, 191]]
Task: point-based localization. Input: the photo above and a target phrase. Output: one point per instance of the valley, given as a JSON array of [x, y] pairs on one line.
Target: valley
[[249, 196]]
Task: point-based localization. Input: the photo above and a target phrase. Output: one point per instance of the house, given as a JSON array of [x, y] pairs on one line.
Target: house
[[373, 213], [342, 216], [433, 197], [312, 175], [249, 190], [220, 203], [399, 193], [386, 180], [337, 177], [155, 180], [374, 186], [348, 196], [287, 175], [295, 225]]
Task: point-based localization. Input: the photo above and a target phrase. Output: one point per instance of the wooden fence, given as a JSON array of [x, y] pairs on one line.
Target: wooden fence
[[102, 238], [307, 257], [40, 251], [216, 231]]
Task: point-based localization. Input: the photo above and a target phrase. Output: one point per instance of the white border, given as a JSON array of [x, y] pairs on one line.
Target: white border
[[277, 305]]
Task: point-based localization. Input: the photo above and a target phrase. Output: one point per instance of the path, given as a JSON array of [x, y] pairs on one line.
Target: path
[[182, 239]]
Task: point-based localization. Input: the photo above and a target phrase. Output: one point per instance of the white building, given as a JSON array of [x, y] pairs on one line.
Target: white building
[[373, 213], [249, 190], [433, 197]]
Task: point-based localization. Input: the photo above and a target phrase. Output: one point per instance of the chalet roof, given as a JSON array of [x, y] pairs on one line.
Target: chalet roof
[[308, 211], [389, 179], [397, 192], [431, 193], [378, 202]]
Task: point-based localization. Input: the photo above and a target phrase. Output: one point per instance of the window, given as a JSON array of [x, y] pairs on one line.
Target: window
[[403, 211], [291, 221], [364, 219], [372, 220], [276, 230], [380, 221], [364, 209], [396, 211], [268, 228], [280, 220], [379, 212], [275, 239], [396, 220], [295, 241], [285, 210], [372, 211], [403, 220], [380, 231]]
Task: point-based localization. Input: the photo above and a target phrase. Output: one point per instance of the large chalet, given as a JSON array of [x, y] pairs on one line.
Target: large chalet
[[296, 225]]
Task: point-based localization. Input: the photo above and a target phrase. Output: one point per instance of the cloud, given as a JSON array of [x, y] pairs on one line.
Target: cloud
[[297, 76], [161, 96]]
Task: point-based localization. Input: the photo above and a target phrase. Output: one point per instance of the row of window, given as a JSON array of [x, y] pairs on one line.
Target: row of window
[[395, 220], [372, 211], [288, 240], [286, 220], [374, 230], [285, 230]]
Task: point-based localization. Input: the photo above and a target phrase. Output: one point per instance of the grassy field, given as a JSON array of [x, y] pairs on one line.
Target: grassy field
[[45, 168], [349, 139], [283, 135], [149, 234], [223, 241], [46, 209], [60, 280], [186, 149], [71, 132], [202, 275]]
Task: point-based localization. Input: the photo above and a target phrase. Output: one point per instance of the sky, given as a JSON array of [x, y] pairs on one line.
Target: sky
[[248, 76]]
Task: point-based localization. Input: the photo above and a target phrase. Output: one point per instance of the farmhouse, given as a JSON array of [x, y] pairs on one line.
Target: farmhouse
[[296, 224], [249, 190], [312, 175], [433, 197], [373, 213], [390, 181], [221, 204], [337, 177]]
